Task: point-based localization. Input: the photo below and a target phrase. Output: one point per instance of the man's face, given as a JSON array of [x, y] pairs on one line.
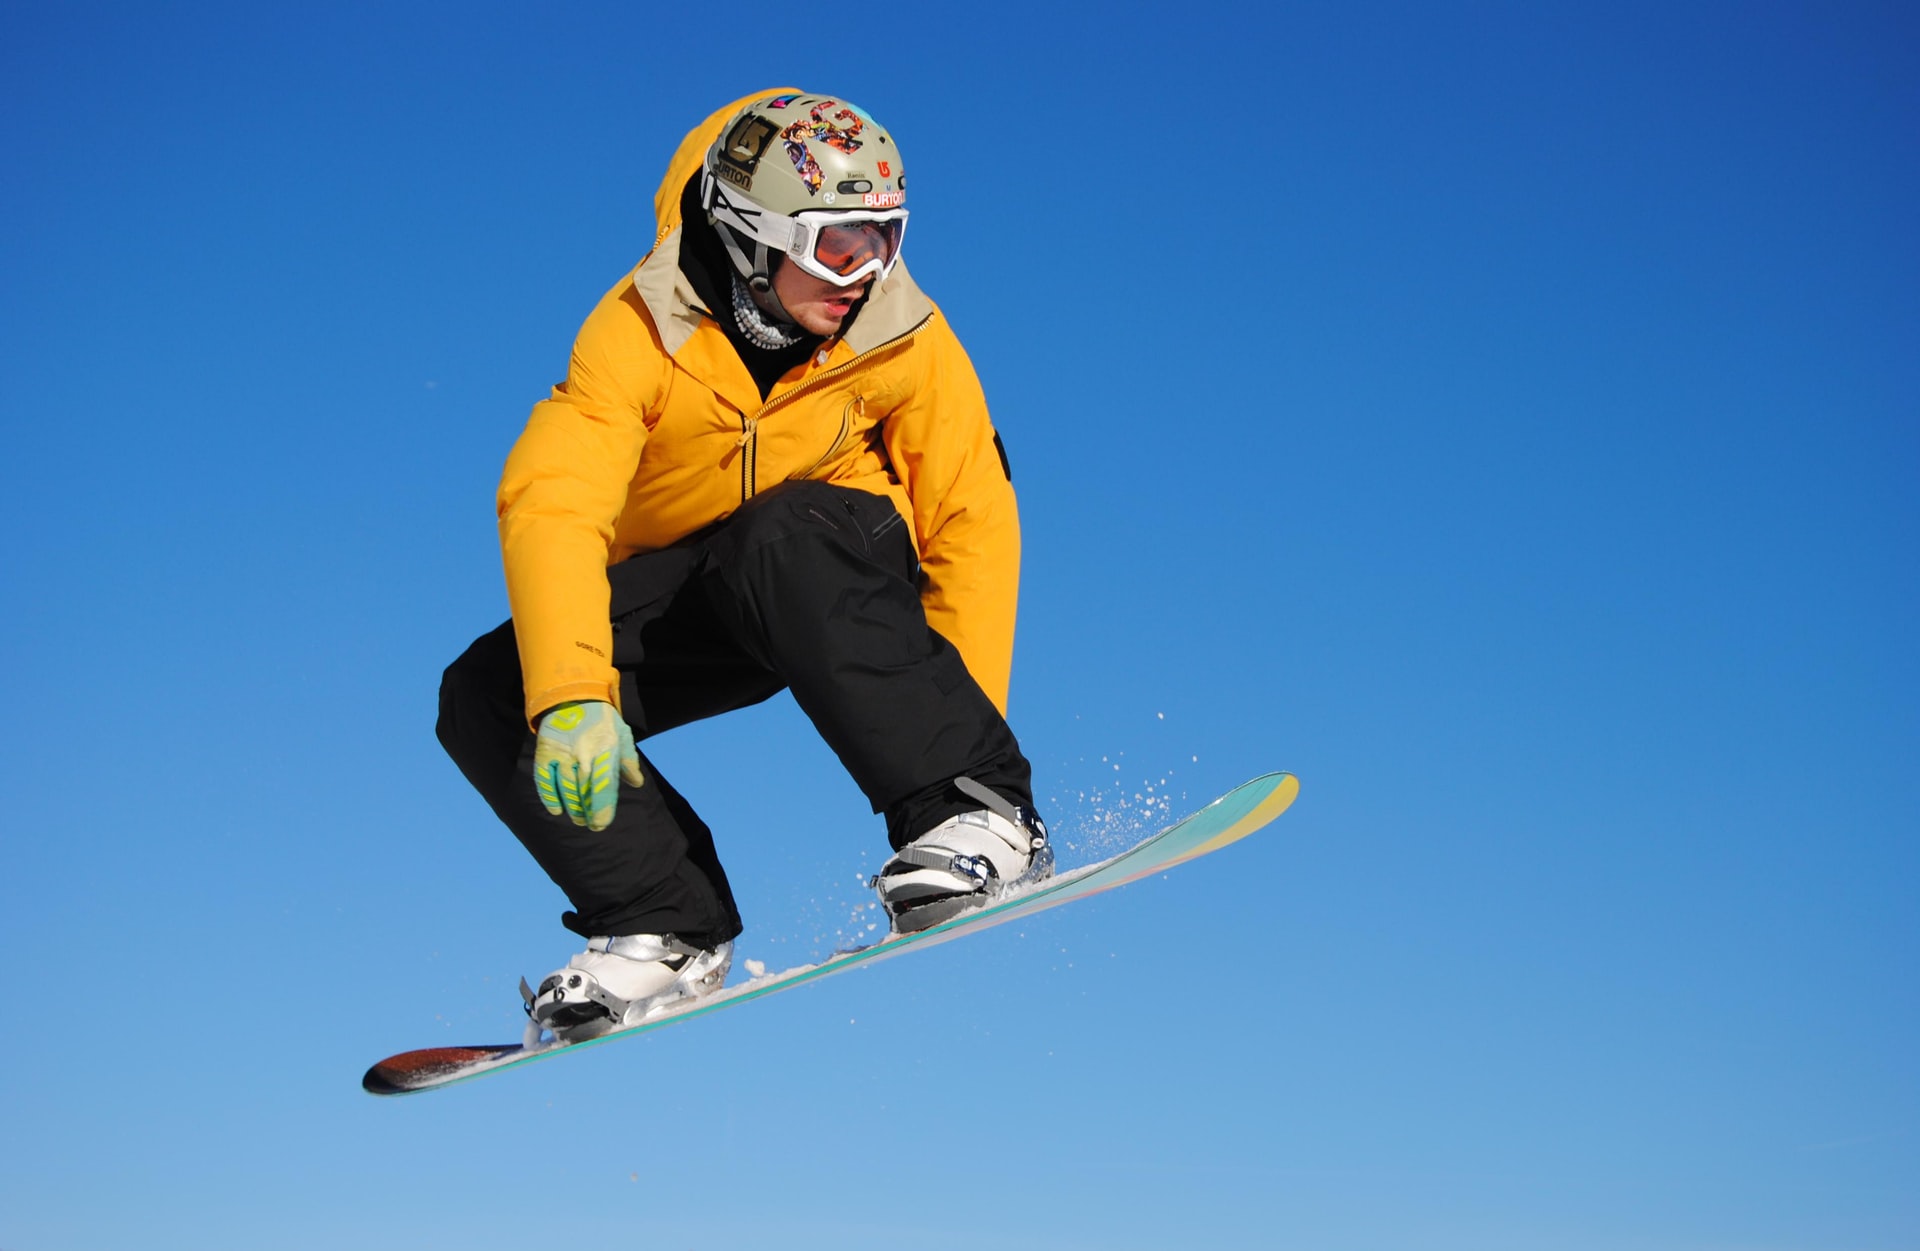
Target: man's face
[[815, 304]]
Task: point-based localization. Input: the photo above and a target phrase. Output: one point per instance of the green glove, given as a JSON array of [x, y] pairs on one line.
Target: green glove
[[574, 757]]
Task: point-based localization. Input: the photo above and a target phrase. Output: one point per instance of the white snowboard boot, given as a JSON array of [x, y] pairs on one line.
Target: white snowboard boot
[[619, 981], [963, 863]]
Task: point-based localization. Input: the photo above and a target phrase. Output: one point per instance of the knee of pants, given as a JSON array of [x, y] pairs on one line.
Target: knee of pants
[[481, 712], [456, 696]]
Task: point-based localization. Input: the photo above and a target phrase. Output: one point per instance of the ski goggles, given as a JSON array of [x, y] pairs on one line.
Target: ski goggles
[[844, 248], [841, 247]]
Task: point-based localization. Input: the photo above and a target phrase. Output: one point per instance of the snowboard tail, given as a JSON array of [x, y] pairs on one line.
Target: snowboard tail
[[1232, 817]]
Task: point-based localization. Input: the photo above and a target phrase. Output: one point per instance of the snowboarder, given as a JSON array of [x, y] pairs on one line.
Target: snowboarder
[[770, 467]]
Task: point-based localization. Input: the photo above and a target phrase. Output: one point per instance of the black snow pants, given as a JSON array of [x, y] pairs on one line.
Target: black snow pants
[[808, 586]]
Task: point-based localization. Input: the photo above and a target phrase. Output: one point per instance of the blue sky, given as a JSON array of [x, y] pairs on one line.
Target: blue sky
[[1503, 417]]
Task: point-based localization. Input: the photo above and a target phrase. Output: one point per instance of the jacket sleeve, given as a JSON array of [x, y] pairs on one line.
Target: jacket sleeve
[[560, 495], [941, 442]]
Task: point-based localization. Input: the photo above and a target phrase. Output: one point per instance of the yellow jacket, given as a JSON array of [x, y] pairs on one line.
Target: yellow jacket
[[660, 430]]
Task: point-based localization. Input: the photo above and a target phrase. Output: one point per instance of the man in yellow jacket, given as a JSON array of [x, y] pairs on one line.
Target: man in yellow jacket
[[770, 467]]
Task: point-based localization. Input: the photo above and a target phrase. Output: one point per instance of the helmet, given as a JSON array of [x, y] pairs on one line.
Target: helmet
[[811, 178]]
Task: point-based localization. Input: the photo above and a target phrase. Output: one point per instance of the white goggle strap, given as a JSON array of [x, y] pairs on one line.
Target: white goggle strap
[[769, 229]]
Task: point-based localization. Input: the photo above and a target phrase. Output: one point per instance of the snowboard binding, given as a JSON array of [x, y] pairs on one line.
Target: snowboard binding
[[965, 862], [617, 982]]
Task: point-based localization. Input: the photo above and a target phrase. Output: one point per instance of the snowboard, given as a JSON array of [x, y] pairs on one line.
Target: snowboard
[[1228, 819]]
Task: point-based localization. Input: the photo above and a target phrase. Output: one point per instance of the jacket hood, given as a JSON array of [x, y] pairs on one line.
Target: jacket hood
[[687, 159]]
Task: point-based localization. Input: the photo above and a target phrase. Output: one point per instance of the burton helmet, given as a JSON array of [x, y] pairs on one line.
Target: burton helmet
[[811, 178]]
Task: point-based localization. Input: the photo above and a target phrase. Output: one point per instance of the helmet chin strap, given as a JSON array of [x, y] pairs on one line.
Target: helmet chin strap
[[757, 272], [761, 287]]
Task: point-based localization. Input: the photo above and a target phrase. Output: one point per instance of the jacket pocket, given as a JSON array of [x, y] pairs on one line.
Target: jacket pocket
[[855, 409]]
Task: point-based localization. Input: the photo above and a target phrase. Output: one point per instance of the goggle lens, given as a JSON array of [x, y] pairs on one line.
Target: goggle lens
[[846, 246]]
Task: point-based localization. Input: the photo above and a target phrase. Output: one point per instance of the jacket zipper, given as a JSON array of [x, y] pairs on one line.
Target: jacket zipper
[[749, 445], [748, 441]]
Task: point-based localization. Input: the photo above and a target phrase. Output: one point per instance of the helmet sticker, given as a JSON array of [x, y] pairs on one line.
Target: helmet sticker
[[741, 153], [781, 102], [828, 129], [886, 170]]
